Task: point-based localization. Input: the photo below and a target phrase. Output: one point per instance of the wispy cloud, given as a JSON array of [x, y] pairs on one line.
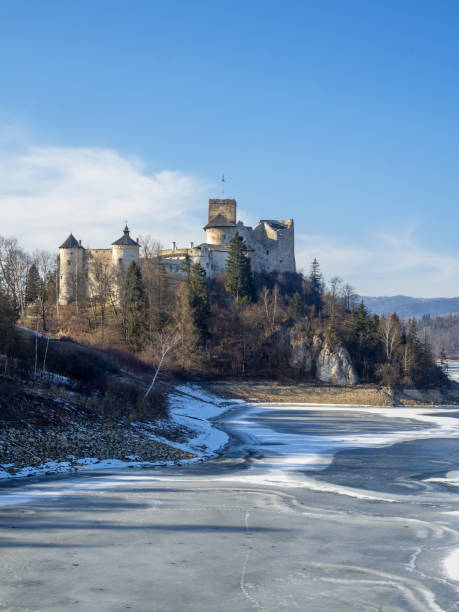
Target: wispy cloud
[[46, 192], [383, 264]]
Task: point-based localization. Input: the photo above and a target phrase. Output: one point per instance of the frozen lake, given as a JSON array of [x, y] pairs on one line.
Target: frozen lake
[[316, 508]]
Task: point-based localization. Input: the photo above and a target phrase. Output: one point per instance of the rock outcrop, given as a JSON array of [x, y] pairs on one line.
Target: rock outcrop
[[301, 357], [335, 367]]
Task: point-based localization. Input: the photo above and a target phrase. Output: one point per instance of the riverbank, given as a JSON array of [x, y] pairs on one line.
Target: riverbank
[[82, 443], [321, 393]]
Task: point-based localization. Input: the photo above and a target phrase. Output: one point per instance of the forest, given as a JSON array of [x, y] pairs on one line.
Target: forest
[[243, 324], [443, 334]]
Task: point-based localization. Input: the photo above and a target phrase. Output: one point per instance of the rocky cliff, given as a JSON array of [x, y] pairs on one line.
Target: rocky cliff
[[335, 366]]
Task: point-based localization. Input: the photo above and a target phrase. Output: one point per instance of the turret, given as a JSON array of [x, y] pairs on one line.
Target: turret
[[71, 262], [222, 221], [125, 250]]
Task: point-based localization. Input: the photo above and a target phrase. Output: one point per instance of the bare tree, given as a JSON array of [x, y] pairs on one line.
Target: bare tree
[[45, 262], [149, 247], [14, 266], [332, 296], [270, 302], [163, 342], [390, 335], [349, 296], [101, 282]]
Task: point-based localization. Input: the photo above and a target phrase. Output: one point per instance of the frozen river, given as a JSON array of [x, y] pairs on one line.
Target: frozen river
[[313, 508]]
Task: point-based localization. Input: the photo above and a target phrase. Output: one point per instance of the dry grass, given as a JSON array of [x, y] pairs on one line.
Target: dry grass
[[316, 393]]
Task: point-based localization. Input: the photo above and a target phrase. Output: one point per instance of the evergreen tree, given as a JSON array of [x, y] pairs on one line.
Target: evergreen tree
[[332, 336], [135, 308], [362, 340], [8, 317], [186, 265], [33, 284], [296, 307], [316, 287], [199, 299], [190, 356], [239, 281]]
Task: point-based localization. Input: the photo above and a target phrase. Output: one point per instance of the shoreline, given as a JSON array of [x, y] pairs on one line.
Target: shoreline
[[367, 394]]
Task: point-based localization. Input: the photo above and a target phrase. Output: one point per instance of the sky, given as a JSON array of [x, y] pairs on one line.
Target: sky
[[343, 115]]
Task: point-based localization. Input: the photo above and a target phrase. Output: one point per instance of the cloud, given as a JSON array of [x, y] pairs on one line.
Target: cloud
[[382, 264], [48, 192]]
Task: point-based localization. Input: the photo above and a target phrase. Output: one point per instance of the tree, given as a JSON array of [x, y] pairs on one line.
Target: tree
[[186, 265], [162, 342], [190, 356], [296, 307], [316, 287], [45, 264], [8, 317], [14, 265], [270, 303], [135, 306], [443, 361], [332, 302], [362, 340], [33, 289], [239, 281], [199, 299], [390, 333], [101, 282], [349, 297]]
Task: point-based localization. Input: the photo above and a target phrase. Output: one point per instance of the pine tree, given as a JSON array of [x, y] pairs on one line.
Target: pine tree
[[135, 308], [33, 284], [239, 281], [186, 265], [199, 299], [316, 287], [332, 336], [8, 317], [296, 307]]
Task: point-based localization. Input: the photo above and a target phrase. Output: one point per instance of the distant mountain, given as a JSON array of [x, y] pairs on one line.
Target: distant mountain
[[407, 307]]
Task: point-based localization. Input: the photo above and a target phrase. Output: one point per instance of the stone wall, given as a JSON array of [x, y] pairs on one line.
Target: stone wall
[[224, 207]]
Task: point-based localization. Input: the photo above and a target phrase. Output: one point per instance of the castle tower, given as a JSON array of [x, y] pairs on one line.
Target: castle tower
[[124, 251], [71, 270], [222, 221]]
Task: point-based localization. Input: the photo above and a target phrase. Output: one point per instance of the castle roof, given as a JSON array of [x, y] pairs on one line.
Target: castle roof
[[70, 243], [125, 239], [219, 221]]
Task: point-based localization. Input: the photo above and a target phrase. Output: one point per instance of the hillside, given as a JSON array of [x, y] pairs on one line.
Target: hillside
[[408, 307], [64, 406]]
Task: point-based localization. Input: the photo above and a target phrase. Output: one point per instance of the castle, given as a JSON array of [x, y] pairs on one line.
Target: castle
[[271, 248]]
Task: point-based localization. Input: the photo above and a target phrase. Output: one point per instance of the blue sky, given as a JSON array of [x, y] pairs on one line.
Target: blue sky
[[341, 114]]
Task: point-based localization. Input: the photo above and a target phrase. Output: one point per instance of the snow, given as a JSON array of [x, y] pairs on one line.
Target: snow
[[451, 565], [195, 408], [190, 406], [453, 370], [286, 456]]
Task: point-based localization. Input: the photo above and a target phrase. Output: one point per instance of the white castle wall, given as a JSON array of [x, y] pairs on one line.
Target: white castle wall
[[72, 274], [271, 248]]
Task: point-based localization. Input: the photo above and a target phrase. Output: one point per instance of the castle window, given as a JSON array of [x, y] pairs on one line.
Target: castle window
[[120, 261], [69, 262], [224, 236], [267, 252]]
